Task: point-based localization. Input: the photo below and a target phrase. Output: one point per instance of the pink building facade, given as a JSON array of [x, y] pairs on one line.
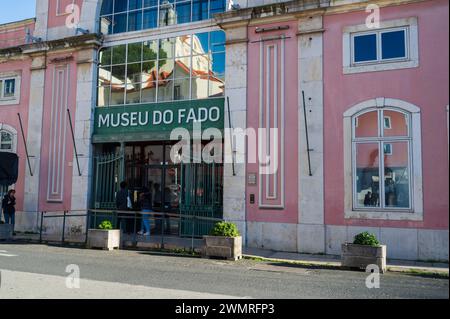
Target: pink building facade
[[369, 90], [338, 88]]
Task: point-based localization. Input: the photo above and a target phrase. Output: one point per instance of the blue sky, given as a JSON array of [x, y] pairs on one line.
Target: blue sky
[[14, 10]]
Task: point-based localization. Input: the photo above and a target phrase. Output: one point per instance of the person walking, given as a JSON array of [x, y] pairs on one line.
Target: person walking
[[146, 208], [122, 205], [9, 209]]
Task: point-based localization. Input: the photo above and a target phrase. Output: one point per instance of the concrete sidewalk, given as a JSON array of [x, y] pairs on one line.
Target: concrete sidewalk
[[335, 261]]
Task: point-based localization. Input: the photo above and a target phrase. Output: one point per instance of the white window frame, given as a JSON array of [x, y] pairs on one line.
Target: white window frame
[[411, 42], [10, 130], [10, 100], [415, 213]]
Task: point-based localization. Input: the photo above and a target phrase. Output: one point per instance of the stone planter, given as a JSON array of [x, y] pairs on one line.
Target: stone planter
[[360, 256], [223, 247], [6, 231], [104, 239]]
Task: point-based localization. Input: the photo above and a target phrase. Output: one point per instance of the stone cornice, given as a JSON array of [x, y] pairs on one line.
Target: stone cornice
[[297, 9], [71, 43]]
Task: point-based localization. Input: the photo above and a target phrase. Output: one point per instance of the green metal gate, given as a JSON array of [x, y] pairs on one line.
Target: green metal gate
[[108, 175], [201, 196]]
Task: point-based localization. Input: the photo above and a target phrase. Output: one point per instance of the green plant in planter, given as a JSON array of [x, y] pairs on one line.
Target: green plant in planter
[[366, 239], [105, 225], [225, 229]]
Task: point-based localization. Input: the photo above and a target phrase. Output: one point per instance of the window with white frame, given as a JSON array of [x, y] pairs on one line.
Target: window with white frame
[[382, 182], [6, 141], [394, 45], [380, 46], [9, 89]]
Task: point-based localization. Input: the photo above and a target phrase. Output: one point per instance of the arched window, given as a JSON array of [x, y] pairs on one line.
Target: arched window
[[381, 146], [117, 16], [382, 159], [8, 137]]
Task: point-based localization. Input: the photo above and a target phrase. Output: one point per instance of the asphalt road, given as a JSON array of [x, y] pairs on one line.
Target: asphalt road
[[39, 271]]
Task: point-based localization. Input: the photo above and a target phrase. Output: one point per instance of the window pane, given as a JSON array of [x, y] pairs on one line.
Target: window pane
[[150, 18], [183, 12], [216, 86], [134, 73], [218, 41], [134, 52], [396, 176], [367, 175], [118, 75], [5, 146], [134, 4], [119, 54], [181, 89], [106, 24], [201, 64], [103, 94], [148, 92], [365, 47], [135, 21], [200, 43], [183, 45], [218, 63], [366, 125], [393, 44], [133, 93], [165, 91], [150, 50], [105, 56], [120, 23], [150, 3], [167, 15], [395, 123], [10, 88], [107, 7], [199, 10], [1, 88], [166, 69], [182, 67], [199, 87], [104, 75], [120, 5], [217, 6], [149, 71], [166, 48], [117, 95], [6, 137]]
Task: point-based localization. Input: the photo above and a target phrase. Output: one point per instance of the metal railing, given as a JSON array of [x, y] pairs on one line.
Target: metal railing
[[165, 227]]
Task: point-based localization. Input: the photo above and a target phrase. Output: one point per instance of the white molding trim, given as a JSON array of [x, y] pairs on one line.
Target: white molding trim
[[412, 44], [416, 155], [8, 128]]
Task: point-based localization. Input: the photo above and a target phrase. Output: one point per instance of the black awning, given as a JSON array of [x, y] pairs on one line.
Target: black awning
[[9, 168]]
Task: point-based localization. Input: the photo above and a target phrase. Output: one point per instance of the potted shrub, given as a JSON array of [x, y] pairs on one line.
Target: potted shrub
[[104, 237], [6, 231], [224, 242], [365, 250]]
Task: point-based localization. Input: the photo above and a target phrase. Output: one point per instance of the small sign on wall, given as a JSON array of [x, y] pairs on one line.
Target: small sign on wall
[[251, 179]]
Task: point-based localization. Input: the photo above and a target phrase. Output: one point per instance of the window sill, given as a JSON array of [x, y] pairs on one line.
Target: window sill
[[384, 215], [10, 101], [381, 66]]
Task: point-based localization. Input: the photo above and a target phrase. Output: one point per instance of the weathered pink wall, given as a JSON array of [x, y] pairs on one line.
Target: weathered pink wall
[[425, 86], [289, 214], [15, 34], [8, 115], [48, 124]]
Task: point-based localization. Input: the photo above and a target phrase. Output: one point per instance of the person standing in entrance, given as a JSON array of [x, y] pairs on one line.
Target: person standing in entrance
[[122, 204], [9, 209], [146, 208]]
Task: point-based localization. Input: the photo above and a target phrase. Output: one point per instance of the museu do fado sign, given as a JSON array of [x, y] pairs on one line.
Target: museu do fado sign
[[156, 121]]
